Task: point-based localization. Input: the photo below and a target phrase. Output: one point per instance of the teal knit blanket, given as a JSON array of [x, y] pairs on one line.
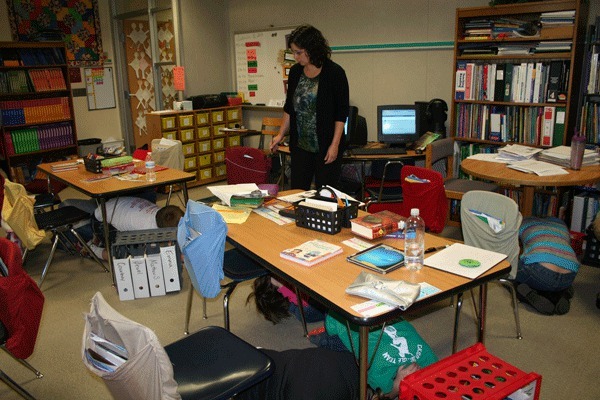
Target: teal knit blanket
[[547, 240]]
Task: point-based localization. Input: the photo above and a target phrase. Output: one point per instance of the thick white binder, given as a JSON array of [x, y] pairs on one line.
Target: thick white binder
[[156, 280], [123, 274], [139, 274], [168, 255]]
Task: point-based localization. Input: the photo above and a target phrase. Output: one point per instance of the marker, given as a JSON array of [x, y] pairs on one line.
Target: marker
[[434, 249]]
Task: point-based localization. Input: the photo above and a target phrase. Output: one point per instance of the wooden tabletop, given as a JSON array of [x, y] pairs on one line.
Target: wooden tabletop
[[499, 172], [326, 282], [80, 180]]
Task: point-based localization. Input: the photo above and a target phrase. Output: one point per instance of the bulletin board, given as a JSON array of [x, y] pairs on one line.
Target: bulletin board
[[99, 88], [261, 65]]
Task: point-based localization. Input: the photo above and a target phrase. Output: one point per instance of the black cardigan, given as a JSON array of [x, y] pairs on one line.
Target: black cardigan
[[332, 104]]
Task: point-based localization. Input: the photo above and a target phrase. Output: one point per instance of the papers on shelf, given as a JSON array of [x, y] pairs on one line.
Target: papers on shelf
[[517, 152], [539, 168]]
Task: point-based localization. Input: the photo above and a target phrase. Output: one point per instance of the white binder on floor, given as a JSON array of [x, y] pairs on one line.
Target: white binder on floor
[[156, 281], [168, 255], [123, 273], [139, 274]]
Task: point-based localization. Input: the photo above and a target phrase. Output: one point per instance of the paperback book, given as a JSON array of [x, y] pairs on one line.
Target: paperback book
[[381, 258], [377, 225], [311, 252]]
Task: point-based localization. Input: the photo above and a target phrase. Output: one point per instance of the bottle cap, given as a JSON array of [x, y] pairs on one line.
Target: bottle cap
[[414, 212]]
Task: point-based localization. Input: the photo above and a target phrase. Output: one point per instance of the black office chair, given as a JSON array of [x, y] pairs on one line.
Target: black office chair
[[210, 364], [237, 268]]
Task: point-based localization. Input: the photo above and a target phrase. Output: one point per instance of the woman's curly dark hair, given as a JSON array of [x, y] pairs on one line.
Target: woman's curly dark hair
[[310, 39], [269, 302]]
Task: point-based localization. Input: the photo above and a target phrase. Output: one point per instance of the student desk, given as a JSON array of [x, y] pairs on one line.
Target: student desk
[[499, 172], [349, 158], [113, 187], [326, 282]]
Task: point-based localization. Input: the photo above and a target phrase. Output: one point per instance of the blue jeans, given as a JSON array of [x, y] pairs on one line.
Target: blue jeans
[[538, 277]]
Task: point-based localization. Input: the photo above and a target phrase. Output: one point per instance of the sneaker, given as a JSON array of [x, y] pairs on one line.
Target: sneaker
[[534, 299]]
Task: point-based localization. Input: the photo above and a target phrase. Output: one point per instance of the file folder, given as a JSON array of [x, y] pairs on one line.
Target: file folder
[[122, 273], [154, 268], [139, 274], [168, 254]]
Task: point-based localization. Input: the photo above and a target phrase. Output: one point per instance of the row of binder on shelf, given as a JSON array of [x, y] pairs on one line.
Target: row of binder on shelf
[[526, 82], [540, 126], [45, 137], [20, 112], [35, 80], [146, 269], [12, 57]]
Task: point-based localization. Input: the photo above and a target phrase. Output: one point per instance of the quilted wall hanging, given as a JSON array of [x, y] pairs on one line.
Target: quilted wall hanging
[[76, 22]]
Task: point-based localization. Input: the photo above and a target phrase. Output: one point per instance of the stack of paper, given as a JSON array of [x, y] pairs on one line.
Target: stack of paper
[[517, 152], [561, 155], [537, 167]]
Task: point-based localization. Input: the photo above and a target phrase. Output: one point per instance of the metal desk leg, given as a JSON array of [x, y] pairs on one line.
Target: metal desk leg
[[363, 360], [107, 239], [482, 310], [185, 194]]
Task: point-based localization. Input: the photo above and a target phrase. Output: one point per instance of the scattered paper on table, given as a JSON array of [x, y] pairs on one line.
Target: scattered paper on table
[[357, 244], [232, 215], [273, 215]]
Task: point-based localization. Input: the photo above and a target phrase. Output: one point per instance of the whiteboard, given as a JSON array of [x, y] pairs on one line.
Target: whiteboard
[[261, 65], [99, 88]]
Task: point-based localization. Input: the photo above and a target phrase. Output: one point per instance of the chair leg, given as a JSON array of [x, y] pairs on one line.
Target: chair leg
[[513, 292], [169, 195], [37, 373], [456, 321], [230, 288], [24, 256], [301, 308], [188, 310], [87, 248], [15, 386], [45, 270]]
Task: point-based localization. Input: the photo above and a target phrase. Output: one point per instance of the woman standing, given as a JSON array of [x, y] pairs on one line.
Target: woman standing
[[315, 111]]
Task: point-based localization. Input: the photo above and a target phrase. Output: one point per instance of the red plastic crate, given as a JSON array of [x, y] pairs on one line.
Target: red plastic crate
[[471, 374]]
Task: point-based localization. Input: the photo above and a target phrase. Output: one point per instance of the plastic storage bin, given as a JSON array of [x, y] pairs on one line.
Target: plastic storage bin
[[471, 374]]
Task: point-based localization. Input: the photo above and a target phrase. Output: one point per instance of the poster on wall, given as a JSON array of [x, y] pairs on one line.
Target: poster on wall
[[99, 88]]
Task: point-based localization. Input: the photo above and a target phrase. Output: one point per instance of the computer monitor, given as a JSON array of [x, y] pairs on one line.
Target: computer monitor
[[398, 125], [355, 129]]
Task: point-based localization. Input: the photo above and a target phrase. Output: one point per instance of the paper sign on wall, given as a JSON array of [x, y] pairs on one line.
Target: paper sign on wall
[[179, 78]]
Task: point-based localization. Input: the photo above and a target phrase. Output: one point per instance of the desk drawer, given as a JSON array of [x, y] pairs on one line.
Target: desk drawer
[[218, 144], [217, 130], [189, 148], [219, 156], [233, 141], [204, 160], [187, 135], [203, 147], [204, 174], [203, 132], [167, 123], [170, 135], [190, 163], [217, 117], [233, 114], [202, 118], [220, 170]]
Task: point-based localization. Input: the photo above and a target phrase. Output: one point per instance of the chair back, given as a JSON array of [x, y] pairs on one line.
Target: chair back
[[270, 127], [429, 197], [17, 212], [201, 237], [21, 303], [147, 373], [247, 165], [442, 149], [478, 233], [168, 153]]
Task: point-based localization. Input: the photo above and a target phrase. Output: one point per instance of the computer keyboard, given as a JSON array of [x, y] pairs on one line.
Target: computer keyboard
[[362, 151]]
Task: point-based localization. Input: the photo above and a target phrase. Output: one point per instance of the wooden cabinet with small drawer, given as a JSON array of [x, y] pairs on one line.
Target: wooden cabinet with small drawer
[[203, 141]]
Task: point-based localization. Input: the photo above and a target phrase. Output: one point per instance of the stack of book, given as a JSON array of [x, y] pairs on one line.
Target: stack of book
[[380, 224], [517, 152]]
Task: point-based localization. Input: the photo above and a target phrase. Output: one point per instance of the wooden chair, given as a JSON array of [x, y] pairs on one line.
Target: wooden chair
[[439, 156], [270, 127]]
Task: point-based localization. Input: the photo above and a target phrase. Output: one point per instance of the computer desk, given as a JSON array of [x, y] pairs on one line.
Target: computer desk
[[79, 179], [326, 282], [349, 158]]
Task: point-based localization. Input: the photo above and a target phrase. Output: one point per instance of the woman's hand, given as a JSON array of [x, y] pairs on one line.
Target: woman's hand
[[275, 142], [332, 153]]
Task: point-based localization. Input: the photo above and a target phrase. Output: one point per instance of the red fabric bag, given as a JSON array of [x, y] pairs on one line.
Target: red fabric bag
[[21, 303]]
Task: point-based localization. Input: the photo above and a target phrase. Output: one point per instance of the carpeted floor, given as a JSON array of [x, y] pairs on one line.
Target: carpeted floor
[[563, 349]]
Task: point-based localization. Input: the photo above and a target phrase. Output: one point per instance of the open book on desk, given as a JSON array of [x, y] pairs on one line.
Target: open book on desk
[[463, 260]]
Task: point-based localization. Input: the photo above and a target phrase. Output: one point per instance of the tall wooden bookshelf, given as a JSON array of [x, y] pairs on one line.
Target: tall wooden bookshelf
[[517, 73], [589, 122], [36, 106]]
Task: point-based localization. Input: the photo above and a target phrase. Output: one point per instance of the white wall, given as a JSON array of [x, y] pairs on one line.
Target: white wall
[[375, 77]]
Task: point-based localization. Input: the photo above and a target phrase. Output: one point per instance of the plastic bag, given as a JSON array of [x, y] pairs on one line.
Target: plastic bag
[[398, 294]]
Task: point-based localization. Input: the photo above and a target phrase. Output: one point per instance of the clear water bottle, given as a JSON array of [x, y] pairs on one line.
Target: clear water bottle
[[150, 168], [414, 241]]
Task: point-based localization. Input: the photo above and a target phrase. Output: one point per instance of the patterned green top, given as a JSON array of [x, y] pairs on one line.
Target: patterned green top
[[305, 103]]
